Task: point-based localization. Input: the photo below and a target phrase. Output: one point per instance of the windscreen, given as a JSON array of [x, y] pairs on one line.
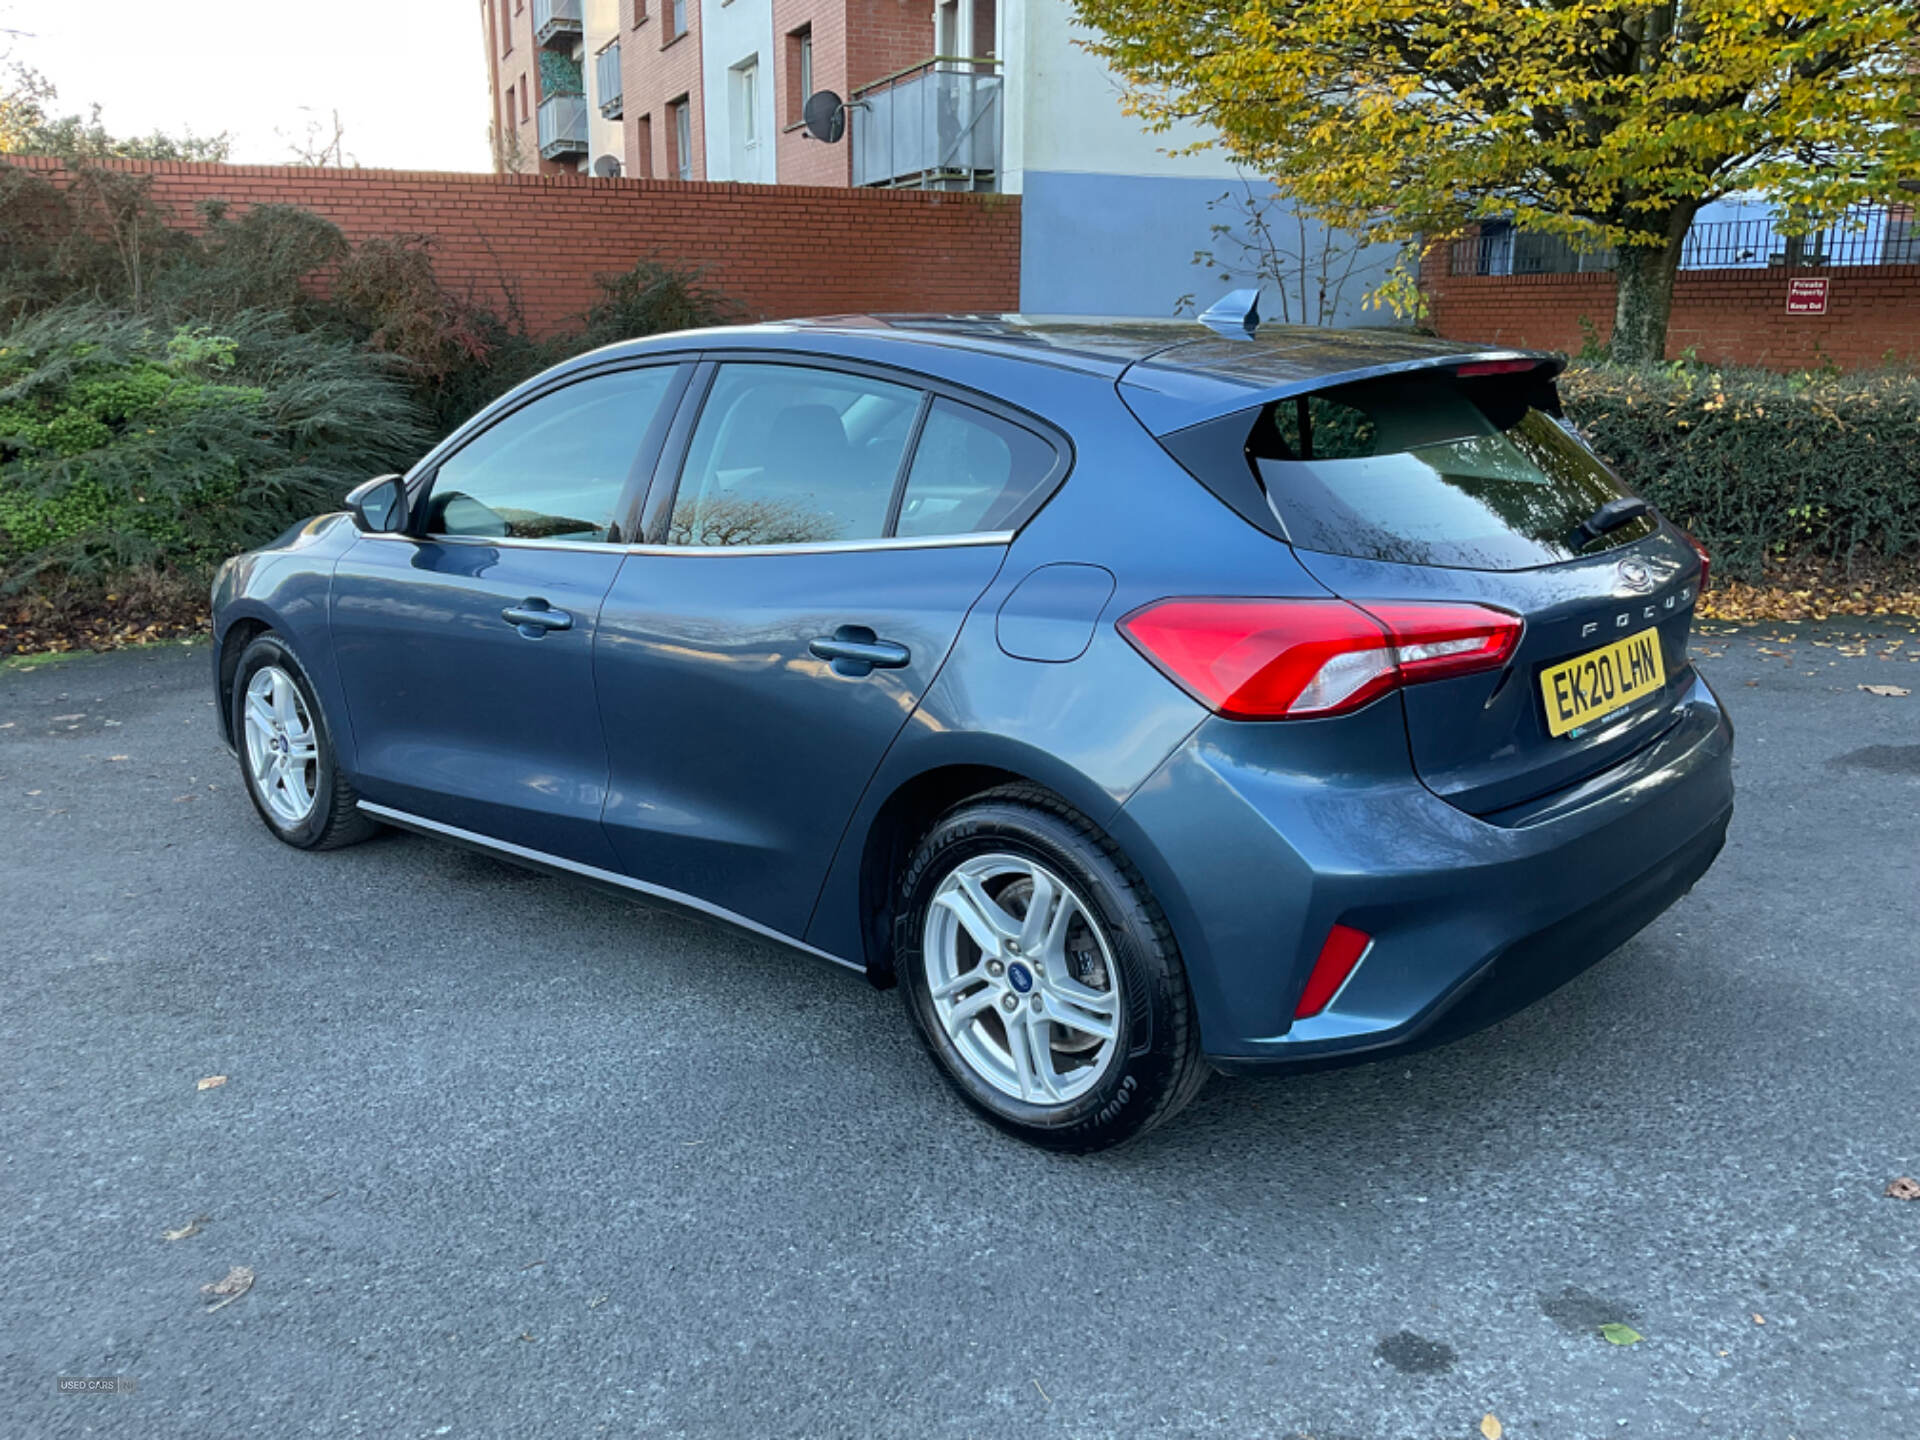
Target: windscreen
[[1434, 469]]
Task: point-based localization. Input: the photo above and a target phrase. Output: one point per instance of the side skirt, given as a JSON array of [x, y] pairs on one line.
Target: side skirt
[[621, 884]]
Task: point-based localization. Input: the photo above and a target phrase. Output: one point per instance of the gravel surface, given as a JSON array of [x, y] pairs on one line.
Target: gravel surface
[[507, 1157]]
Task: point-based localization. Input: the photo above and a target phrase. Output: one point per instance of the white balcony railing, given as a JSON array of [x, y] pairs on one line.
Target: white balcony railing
[[555, 19], [606, 81], [563, 126], [934, 126]]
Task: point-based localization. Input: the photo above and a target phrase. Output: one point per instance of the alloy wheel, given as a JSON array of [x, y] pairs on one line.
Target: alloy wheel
[[1022, 979], [283, 753]]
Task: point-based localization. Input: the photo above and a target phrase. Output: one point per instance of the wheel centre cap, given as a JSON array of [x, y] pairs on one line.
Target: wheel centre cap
[[1020, 977]]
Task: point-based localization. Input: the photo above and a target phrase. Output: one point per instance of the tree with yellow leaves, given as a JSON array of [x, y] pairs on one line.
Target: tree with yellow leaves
[[1608, 124]]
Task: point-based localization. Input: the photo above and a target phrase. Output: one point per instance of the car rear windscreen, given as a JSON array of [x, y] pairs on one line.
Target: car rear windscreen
[[1434, 469]]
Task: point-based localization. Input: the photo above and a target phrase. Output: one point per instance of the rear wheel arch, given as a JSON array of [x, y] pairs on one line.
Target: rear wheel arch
[[903, 817]]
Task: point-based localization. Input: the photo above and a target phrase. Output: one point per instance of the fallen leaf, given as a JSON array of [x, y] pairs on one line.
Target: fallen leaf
[[1905, 1188], [116, 757], [1615, 1333], [188, 1230], [210, 1082], [1889, 690], [1759, 1319], [1490, 1426], [239, 1280]]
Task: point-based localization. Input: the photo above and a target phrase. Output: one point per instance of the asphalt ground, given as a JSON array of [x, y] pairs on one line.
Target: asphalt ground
[[508, 1157]]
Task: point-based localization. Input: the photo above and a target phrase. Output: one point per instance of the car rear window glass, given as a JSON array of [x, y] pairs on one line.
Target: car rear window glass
[[971, 472], [791, 454], [1434, 470]]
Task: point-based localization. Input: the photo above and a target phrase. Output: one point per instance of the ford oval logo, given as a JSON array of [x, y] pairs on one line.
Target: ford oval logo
[[1635, 576], [1019, 977]]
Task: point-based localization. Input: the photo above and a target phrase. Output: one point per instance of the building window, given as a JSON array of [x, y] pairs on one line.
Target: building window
[[639, 13], [643, 146], [680, 137], [679, 17], [799, 71], [513, 117], [746, 109], [523, 98]]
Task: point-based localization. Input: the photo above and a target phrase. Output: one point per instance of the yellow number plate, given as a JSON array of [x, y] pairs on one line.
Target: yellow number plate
[[1601, 681]]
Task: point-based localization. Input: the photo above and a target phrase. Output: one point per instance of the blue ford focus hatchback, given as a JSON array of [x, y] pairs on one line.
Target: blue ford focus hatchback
[[1144, 698]]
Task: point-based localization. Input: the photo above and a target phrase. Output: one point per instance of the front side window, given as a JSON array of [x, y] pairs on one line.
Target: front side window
[[679, 17], [971, 472], [1434, 470], [789, 454], [555, 468]]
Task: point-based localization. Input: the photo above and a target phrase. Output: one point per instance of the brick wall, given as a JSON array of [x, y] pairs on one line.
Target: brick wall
[[884, 36], [855, 42], [799, 159], [1728, 317], [514, 61], [780, 250], [656, 67]]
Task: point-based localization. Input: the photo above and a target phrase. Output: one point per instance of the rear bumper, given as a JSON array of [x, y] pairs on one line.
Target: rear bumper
[[1257, 845]]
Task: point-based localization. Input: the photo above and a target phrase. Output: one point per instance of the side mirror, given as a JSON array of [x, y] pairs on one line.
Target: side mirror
[[379, 506]]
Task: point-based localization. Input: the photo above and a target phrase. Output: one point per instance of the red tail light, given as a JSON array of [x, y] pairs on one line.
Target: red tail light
[[1285, 659], [1342, 951], [1706, 563]]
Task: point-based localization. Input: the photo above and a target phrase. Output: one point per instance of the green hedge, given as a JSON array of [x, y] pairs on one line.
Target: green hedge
[[1760, 465], [127, 445]]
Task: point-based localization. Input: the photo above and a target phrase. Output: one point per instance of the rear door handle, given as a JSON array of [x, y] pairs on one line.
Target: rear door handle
[[855, 650], [533, 617]]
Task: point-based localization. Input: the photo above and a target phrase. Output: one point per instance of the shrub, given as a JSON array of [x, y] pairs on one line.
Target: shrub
[[124, 445], [265, 260], [1760, 465], [652, 298]]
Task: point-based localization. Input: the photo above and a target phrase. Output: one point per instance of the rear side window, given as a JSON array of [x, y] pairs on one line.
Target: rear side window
[[790, 454], [1433, 470], [971, 472]]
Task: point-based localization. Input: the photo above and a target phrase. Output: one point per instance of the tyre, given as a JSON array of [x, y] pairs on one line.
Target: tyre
[[286, 752], [1042, 976]]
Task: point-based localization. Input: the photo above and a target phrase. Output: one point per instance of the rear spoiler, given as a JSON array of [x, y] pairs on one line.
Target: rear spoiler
[[1202, 380]]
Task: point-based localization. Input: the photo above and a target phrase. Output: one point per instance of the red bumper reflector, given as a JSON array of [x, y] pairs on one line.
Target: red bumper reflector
[[1345, 945]]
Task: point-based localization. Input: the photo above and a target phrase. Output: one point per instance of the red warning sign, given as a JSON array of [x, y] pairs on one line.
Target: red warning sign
[[1807, 297]]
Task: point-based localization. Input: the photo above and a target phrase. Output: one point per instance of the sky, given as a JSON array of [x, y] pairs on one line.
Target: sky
[[407, 76]]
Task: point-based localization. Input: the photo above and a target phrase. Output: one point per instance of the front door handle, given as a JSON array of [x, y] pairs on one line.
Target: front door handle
[[855, 650], [533, 617]]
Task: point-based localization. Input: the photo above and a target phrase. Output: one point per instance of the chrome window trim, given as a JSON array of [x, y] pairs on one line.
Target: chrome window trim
[[836, 547], [811, 547], [516, 542], [677, 898]]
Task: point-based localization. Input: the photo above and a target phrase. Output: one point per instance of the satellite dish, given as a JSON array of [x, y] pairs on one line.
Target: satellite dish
[[825, 116], [607, 167]]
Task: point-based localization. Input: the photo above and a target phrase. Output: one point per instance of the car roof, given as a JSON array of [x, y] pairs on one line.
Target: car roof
[[1171, 372]]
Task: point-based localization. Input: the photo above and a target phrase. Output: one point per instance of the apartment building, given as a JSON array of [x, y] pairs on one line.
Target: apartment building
[[993, 95]]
